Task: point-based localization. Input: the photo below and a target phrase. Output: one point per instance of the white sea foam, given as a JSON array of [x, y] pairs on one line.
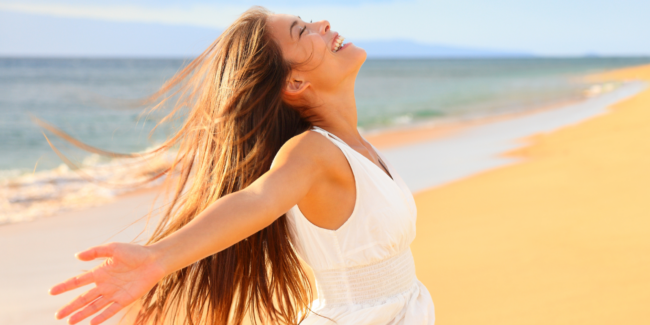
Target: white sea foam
[[28, 196]]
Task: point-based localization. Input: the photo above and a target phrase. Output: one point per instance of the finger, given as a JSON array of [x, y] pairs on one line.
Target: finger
[[95, 252], [72, 283], [79, 302], [94, 307], [107, 313]]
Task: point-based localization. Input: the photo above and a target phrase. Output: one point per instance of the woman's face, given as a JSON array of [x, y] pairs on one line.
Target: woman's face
[[330, 67]]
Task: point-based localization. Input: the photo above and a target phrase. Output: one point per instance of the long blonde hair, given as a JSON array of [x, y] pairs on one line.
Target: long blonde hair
[[236, 123]]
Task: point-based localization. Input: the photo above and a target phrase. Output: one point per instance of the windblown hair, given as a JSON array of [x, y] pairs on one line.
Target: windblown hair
[[236, 122]]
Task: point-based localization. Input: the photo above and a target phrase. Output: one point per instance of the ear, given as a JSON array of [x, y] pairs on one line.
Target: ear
[[296, 87]]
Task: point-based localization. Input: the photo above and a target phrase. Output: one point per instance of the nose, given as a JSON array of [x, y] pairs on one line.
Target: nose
[[323, 26]]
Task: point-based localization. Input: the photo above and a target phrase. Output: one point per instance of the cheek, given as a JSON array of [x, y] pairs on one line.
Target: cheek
[[319, 61], [317, 52]]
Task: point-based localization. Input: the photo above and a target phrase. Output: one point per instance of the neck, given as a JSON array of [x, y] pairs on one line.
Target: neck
[[337, 113]]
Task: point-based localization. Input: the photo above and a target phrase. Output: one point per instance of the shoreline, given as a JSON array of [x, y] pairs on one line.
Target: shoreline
[[471, 151], [384, 138], [432, 129]]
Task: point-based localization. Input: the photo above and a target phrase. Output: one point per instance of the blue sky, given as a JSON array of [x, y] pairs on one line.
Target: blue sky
[[543, 27]]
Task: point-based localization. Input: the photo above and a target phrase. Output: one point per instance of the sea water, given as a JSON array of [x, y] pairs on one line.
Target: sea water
[[96, 101]]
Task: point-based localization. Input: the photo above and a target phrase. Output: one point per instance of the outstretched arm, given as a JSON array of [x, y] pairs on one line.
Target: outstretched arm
[[239, 215], [131, 270]]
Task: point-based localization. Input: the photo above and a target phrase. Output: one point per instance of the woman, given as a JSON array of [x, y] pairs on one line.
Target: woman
[[278, 170]]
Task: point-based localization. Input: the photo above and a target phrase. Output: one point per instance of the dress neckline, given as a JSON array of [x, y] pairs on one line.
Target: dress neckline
[[388, 173]]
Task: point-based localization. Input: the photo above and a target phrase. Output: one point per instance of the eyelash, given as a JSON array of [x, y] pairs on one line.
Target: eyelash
[[303, 29]]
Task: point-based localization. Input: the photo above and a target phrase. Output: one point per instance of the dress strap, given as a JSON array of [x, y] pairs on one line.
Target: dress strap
[[332, 135], [388, 172]]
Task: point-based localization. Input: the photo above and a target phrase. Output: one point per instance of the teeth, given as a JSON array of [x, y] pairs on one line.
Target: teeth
[[338, 42]]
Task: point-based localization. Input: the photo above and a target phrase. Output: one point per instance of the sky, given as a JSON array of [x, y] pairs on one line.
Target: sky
[[540, 27]]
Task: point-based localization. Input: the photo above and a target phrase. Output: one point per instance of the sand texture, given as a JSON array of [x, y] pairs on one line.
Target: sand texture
[[560, 238]]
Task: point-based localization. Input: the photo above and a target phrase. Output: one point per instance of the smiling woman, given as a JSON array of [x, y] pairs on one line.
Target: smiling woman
[[271, 169]]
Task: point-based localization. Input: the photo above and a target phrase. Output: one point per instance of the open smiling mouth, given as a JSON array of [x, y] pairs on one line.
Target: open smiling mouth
[[338, 43]]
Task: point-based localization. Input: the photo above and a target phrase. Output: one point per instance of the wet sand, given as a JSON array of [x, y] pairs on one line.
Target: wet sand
[[562, 237]]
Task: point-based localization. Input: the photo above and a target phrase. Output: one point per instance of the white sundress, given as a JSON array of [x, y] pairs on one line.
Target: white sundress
[[364, 270]]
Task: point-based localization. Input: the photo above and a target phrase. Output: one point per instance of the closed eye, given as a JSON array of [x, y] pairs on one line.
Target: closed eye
[[302, 31]]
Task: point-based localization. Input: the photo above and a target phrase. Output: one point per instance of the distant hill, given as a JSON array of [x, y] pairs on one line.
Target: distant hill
[[411, 49], [46, 36]]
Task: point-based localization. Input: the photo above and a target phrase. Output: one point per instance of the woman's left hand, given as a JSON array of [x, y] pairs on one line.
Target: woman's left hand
[[128, 272]]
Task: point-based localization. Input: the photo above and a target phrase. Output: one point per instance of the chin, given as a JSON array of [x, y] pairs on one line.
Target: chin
[[347, 64], [359, 54]]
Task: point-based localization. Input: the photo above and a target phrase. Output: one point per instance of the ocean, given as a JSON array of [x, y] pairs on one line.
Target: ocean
[[95, 100]]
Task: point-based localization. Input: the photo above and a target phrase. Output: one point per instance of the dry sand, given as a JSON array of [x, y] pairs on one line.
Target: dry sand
[[562, 238]]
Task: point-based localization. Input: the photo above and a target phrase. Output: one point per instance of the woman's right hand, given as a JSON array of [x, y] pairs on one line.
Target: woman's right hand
[[128, 272]]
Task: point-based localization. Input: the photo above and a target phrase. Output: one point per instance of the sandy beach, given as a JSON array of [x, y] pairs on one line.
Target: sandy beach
[[537, 218], [560, 238]]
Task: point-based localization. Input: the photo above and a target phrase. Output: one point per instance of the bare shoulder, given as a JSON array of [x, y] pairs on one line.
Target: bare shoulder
[[307, 147], [316, 153]]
